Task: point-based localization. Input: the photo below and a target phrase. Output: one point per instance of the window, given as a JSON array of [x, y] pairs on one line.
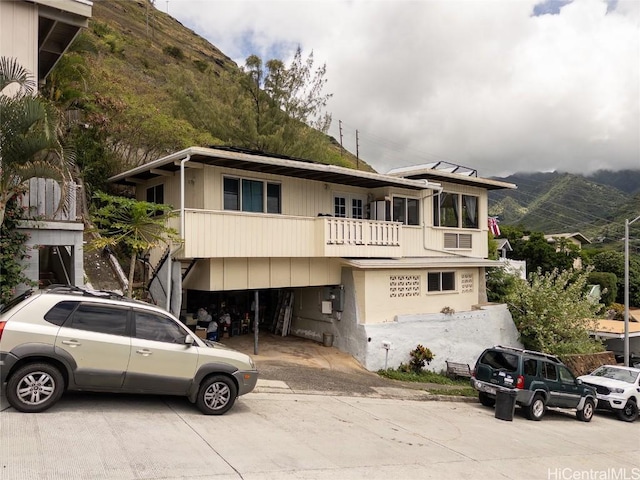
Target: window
[[251, 195], [231, 187], [348, 206], [455, 210], [155, 194], [549, 371], [339, 207], [58, 314], [100, 319], [357, 208], [273, 198], [500, 360], [151, 326], [530, 367], [566, 376], [406, 210], [441, 281]]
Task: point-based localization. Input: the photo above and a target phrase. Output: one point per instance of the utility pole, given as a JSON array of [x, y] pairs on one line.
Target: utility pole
[[357, 152], [626, 289], [341, 147]]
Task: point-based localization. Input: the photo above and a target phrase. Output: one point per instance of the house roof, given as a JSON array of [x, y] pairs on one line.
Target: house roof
[[449, 173], [267, 163], [503, 243], [420, 262], [59, 21], [577, 235], [615, 329]]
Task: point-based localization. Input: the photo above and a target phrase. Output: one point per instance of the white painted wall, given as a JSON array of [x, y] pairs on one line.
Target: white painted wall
[[460, 337]]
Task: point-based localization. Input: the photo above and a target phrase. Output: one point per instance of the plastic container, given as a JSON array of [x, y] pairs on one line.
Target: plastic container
[[327, 339], [506, 404]]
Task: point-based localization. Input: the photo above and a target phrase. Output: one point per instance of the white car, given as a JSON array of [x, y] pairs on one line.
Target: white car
[[617, 389]]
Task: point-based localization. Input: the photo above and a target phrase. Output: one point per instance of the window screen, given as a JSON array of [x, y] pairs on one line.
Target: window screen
[[252, 196], [231, 194]]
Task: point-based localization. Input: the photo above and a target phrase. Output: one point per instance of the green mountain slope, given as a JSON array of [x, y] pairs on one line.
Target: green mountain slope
[[562, 202], [150, 87]]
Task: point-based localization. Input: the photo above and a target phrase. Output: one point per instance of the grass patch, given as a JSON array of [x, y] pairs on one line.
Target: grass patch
[[425, 376], [457, 392]]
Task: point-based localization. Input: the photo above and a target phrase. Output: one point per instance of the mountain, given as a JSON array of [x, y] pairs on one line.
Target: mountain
[[556, 202], [143, 85]]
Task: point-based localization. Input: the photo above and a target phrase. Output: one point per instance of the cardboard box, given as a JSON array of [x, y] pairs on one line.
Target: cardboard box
[[201, 332]]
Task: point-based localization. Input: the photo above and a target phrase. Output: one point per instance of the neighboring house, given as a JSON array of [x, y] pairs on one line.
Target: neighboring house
[[514, 267], [37, 33], [560, 239], [612, 333], [371, 260]]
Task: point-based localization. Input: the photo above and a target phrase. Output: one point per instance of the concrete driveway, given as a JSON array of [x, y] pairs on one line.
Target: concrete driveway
[[296, 436]]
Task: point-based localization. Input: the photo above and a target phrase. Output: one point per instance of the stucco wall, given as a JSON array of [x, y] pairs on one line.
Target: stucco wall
[[460, 337], [54, 234]]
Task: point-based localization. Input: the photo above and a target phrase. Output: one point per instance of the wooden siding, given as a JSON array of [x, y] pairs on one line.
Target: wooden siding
[[225, 234], [217, 274], [42, 201], [19, 34]]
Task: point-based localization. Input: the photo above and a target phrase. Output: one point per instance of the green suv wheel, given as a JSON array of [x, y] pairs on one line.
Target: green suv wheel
[[35, 387], [216, 395], [536, 410], [586, 414], [629, 413]]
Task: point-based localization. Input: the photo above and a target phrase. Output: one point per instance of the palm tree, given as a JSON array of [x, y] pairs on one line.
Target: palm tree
[[133, 226], [30, 144]]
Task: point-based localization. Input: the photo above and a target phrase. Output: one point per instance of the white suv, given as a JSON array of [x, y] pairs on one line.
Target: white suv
[[68, 338], [617, 389]]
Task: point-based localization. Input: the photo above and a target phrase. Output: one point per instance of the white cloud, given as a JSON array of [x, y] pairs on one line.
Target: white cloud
[[482, 83]]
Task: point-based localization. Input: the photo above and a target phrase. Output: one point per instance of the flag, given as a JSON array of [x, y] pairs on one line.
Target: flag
[[493, 226]]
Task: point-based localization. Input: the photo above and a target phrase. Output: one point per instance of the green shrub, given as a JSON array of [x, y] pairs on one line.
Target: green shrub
[[608, 284]]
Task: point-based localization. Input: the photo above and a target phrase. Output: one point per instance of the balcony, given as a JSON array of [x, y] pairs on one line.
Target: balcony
[[41, 201], [223, 234]]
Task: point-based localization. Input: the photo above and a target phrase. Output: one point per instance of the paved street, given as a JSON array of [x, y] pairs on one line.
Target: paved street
[[277, 434]]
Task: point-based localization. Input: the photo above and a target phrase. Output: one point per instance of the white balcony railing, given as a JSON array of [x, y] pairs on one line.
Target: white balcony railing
[[220, 234]]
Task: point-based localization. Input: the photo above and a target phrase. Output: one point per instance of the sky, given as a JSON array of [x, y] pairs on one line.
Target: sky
[[499, 86]]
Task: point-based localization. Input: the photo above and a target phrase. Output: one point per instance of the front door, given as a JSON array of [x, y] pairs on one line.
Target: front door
[[161, 362]]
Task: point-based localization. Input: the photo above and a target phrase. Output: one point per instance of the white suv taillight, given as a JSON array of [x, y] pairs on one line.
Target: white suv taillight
[[2, 324]]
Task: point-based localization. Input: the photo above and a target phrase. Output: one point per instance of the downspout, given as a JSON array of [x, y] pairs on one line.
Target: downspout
[[436, 191], [182, 228]]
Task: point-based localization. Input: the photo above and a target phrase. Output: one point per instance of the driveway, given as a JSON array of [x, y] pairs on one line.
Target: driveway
[[304, 366]]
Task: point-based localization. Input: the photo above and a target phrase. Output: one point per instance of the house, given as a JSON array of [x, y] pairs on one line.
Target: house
[[561, 240], [377, 263], [37, 33], [515, 267], [612, 333]]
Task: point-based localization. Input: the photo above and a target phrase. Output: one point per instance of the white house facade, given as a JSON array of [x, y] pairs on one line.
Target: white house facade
[[377, 263]]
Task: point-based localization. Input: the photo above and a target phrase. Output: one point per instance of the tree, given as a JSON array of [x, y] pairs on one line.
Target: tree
[[29, 135], [281, 109], [12, 251], [553, 312], [132, 225], [613, 262]]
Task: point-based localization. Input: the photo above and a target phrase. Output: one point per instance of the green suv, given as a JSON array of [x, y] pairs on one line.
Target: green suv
[[539, 380], [68, 338]]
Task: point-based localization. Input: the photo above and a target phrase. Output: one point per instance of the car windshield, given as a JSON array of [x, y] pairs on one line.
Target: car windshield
[[614, 373]]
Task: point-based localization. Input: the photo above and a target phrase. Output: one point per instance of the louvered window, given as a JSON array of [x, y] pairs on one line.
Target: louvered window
[[457, 240]]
